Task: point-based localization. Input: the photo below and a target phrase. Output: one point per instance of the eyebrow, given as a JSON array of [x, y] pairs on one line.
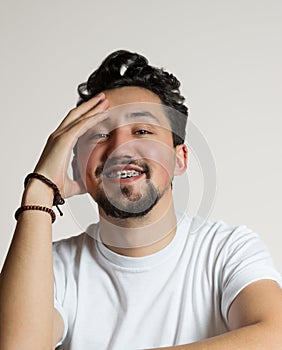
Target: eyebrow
[[143, 114]]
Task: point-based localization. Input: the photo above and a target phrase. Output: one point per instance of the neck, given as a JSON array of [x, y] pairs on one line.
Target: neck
[[139, 237]]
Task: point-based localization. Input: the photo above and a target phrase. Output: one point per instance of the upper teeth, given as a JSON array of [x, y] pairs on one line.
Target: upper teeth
[[124, 173]]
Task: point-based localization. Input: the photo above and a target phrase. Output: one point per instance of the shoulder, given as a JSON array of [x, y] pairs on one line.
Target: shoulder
[[71, 246], [220, 244], [216, 232]]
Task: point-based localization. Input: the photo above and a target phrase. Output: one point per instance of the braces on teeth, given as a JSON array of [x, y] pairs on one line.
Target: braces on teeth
[[125, 173]]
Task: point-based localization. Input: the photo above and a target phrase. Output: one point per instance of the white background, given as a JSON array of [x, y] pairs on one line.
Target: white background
[[227, 55]]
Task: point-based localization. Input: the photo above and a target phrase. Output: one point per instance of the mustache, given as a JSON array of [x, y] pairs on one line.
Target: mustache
[[116, 161]]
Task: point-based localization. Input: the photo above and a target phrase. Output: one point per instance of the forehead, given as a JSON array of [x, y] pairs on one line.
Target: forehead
[[130, 94], [135, 105]]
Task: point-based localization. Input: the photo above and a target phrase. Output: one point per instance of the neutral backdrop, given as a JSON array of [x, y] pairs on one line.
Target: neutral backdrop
[[227, 55]]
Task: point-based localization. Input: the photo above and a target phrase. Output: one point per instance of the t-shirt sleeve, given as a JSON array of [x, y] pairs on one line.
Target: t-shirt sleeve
[[246, 260], [59, 308], [59, 290]]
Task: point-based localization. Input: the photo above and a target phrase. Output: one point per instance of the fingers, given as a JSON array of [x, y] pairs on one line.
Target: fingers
[[84, 108], [75, 119], [82, 123], [55, 158]]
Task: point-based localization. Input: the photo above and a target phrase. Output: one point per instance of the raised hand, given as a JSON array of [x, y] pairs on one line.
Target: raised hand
[[55, 157]]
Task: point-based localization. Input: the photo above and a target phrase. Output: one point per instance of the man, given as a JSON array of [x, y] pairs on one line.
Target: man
[[139, 279]]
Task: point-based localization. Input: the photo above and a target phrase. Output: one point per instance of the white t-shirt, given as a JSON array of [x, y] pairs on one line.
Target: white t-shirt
[[178, 295]]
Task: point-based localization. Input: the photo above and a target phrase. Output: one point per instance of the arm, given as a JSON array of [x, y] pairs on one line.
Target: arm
[[255, 320], [27, 316], [26, 285]]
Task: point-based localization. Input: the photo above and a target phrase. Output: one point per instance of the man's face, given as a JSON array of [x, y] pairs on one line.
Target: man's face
[[127, 162]]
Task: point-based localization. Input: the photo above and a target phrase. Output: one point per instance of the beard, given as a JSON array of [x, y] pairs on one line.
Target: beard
[[127, 204], [125, 201]]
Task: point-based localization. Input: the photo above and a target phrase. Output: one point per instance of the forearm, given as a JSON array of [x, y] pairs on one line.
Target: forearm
[[260, 336], [26, 285]]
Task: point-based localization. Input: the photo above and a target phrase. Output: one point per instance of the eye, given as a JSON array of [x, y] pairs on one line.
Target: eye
[[100, 137], [142, 132]]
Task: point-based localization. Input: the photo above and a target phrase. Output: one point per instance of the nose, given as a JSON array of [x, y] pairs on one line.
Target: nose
[[120, 144]]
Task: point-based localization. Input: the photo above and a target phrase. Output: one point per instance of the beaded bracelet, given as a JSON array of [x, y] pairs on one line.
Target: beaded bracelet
[[35, 207]]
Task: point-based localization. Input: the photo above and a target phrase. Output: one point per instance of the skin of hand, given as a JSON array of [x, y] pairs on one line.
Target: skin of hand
[[55, 157]]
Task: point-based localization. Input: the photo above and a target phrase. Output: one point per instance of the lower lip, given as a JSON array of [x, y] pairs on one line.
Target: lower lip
[[124, 180]]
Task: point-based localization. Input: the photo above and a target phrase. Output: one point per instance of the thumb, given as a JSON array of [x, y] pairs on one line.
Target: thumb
[[74, 187]]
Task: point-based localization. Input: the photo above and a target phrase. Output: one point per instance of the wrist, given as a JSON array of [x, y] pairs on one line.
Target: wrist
[[38, 192]]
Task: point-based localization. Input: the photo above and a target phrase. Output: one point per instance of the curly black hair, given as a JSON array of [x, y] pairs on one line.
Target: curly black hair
[[123, 68]]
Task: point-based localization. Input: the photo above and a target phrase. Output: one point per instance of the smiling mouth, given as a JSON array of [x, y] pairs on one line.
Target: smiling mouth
[[124, 174]]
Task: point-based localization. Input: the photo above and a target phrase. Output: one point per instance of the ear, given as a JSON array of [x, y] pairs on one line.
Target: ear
[[77, 176], [181, 159]]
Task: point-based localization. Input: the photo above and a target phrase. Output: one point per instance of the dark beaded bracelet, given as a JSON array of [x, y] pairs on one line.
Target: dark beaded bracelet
[[35, 207], [58, 200]]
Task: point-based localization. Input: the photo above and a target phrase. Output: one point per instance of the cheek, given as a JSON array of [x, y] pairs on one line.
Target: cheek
[[160, 155]]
